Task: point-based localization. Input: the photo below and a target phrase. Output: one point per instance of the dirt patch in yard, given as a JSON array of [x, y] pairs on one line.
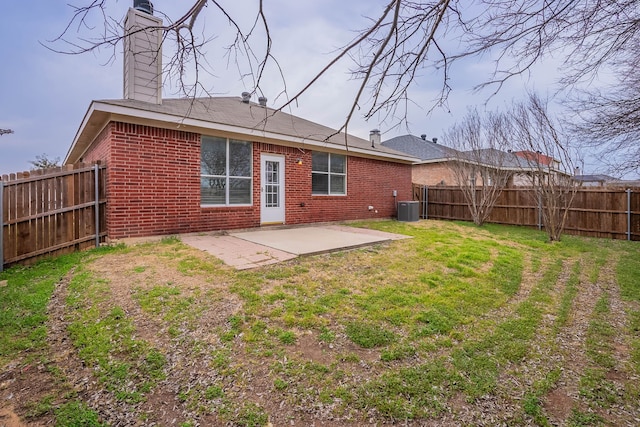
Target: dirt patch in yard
[[218, 375]]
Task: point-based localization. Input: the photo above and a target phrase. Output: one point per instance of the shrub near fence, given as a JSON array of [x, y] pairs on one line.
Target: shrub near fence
[[596, 212], [51, 212]]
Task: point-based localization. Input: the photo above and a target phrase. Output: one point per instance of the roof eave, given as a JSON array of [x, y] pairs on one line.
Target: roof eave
[[487, 165], [85, 135], [100, 114]]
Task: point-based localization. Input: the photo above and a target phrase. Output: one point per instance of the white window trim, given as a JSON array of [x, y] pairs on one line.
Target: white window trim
[[329, 173], [227, 177]]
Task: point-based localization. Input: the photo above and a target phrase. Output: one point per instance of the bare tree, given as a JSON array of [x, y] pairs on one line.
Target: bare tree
[[43, 161], [188, 60], [548, 159], [402, 44], [480, 162], [595, 40], [609, 120]]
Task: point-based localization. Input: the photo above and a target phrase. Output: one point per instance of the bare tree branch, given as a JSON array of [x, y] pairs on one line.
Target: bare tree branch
[[549, 159], [479, 160], [407, 41]]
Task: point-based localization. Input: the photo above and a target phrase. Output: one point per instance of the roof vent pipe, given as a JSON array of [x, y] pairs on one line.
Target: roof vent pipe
[[423, 136], [246, 97], [262, 101], [375, 138], [143, 6]]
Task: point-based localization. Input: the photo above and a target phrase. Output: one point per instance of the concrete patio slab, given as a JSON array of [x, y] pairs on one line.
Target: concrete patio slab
[[238, 253], [314, 240], [256, 248]]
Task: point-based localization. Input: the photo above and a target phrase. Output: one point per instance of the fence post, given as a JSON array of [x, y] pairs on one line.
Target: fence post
[[1, 225], [628, 214], [96, 169], [425, 195], [539, 212]]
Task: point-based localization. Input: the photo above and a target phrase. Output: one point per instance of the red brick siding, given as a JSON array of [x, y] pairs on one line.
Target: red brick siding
[[434, 174], [100, 149], [369, 183], [153, 181], [153, 185]]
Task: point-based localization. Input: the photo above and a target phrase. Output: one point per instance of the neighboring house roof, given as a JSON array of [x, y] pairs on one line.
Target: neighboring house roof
[[431, 152], [594, 178], [505, 159], [536, 157], [606, 181], [224, 114], [425, 150]]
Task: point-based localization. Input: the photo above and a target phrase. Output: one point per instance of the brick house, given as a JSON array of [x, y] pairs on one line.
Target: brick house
[[191, 165], [437, 163], [432, 168]]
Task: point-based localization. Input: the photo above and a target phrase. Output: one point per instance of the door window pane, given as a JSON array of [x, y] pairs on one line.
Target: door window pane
[[272, 184]]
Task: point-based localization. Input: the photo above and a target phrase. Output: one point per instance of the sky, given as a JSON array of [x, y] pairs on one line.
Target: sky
[[45, 94]]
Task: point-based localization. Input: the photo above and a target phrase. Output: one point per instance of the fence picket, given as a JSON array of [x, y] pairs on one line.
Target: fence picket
[[51, 212], [596, 212]]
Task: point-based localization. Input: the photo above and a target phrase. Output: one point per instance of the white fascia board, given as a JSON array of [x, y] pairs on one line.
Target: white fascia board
[[427, 162], [83, 124], [185, 122], [88, 116]]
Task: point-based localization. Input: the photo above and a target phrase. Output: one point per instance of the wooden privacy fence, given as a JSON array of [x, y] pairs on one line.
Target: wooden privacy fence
[[51, 212], [596, 212]]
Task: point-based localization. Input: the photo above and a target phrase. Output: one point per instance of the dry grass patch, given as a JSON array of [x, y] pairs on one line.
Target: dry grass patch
[[457, 325]]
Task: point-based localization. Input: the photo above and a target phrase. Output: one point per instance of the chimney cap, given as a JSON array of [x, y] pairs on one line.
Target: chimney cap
[[143, 6], [262, 101], [423, 136], [246, 97], [434, 140]]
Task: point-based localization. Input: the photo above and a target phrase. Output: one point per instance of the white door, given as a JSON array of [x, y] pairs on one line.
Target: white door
[[272, 189]]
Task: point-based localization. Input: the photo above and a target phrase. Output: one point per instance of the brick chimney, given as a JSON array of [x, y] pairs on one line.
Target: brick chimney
[[143, 54]]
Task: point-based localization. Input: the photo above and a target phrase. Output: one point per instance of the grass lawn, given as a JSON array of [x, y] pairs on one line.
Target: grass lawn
[[457, 326]]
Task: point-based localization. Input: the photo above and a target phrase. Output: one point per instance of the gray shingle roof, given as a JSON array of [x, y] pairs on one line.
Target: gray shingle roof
[[224, 114], [420, 148], [427, 150], [595, 178], [504, 158], [231, 111]]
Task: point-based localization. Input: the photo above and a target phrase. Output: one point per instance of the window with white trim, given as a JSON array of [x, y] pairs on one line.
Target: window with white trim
[[328, 174], [225, 172]]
